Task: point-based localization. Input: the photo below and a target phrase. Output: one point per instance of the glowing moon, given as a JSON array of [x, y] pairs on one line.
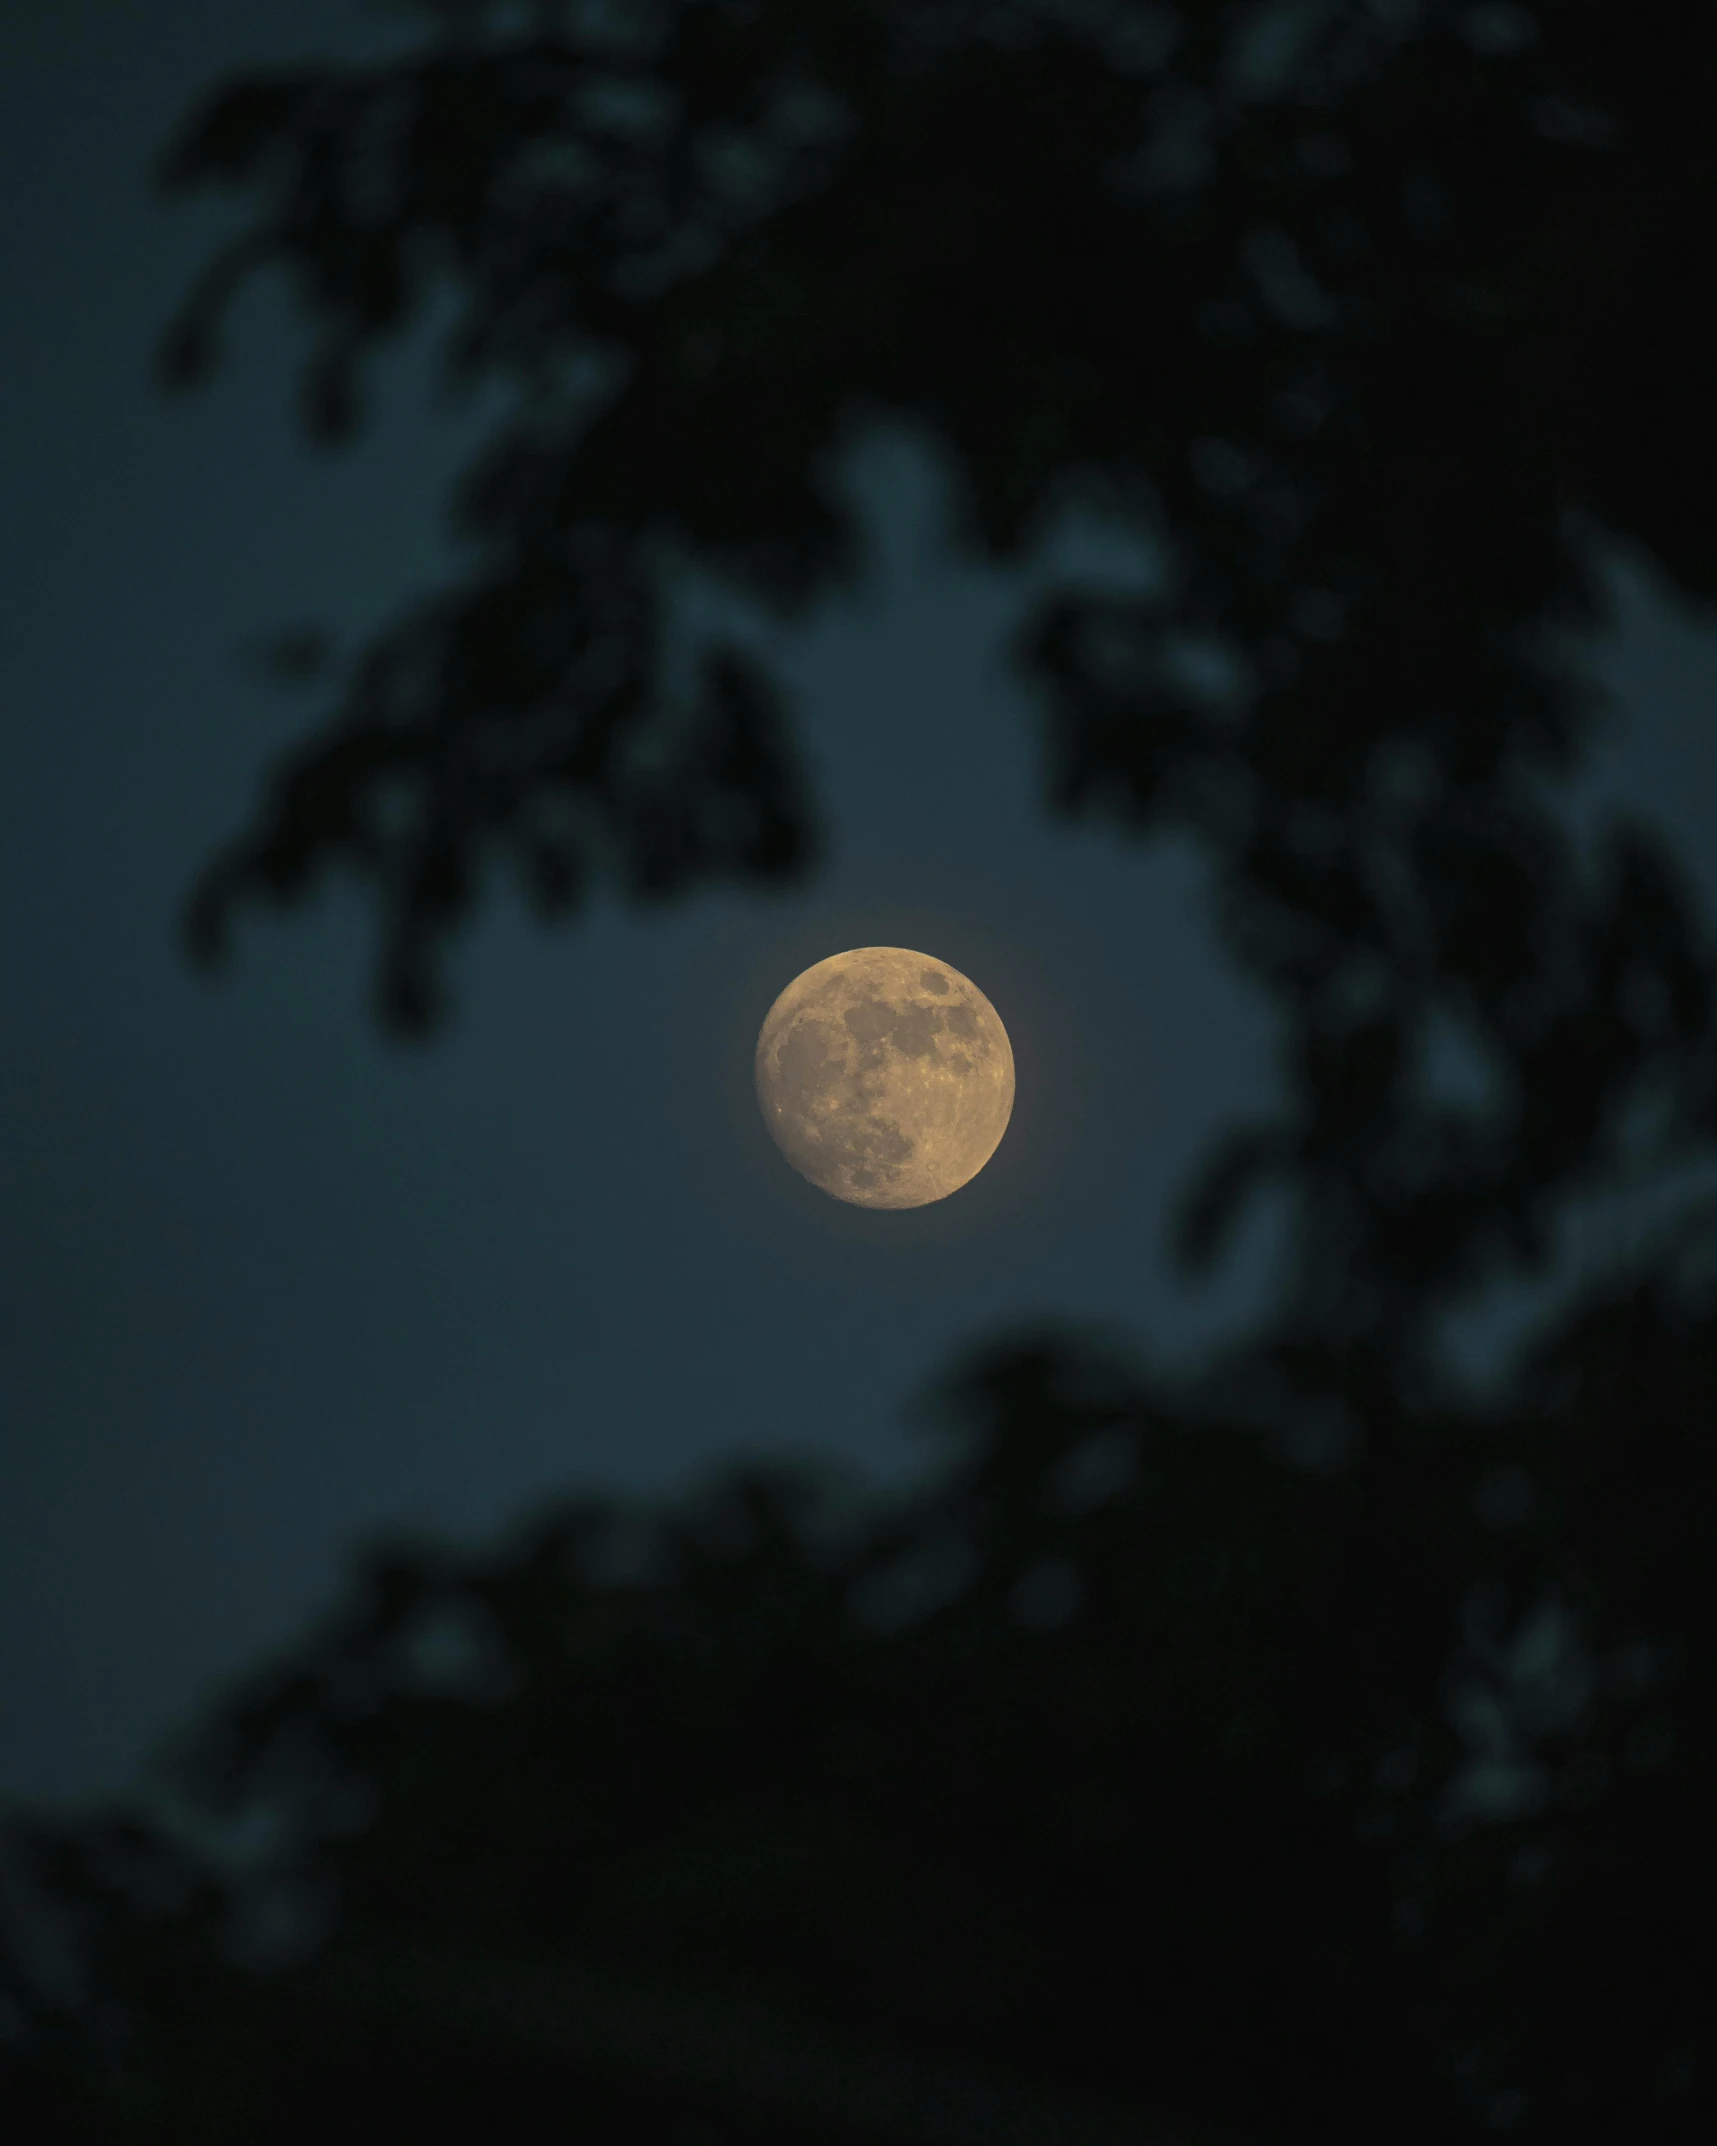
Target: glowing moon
[[885, 1076]]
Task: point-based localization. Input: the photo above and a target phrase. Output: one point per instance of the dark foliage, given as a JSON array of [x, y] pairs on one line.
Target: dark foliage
[[1374, 320], [1138, 1766], [1121, 1764]]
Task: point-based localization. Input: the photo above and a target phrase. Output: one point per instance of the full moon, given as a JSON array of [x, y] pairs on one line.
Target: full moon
[[886, 1077]]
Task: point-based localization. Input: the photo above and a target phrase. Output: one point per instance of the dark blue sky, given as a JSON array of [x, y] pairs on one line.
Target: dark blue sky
[[269, 1284]]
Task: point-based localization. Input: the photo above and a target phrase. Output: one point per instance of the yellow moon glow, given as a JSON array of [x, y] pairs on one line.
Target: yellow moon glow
[[885, 1076]]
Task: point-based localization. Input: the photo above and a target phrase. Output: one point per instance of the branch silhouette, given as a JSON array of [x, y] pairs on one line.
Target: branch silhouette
[[1375, 338]]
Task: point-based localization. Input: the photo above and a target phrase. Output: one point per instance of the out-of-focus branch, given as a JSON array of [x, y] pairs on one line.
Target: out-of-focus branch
[[734, 2050]]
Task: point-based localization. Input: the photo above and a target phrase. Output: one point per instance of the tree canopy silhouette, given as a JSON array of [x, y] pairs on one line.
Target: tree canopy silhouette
[[1372, 319], [1134, 1760]]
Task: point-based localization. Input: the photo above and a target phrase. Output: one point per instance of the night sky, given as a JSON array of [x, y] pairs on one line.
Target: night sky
[[271, 1284]]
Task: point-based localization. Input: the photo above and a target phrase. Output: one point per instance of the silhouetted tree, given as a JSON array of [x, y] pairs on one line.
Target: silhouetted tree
[[1133, 1764]]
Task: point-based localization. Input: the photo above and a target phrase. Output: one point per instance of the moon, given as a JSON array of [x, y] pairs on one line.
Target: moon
[[885, 1076]]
